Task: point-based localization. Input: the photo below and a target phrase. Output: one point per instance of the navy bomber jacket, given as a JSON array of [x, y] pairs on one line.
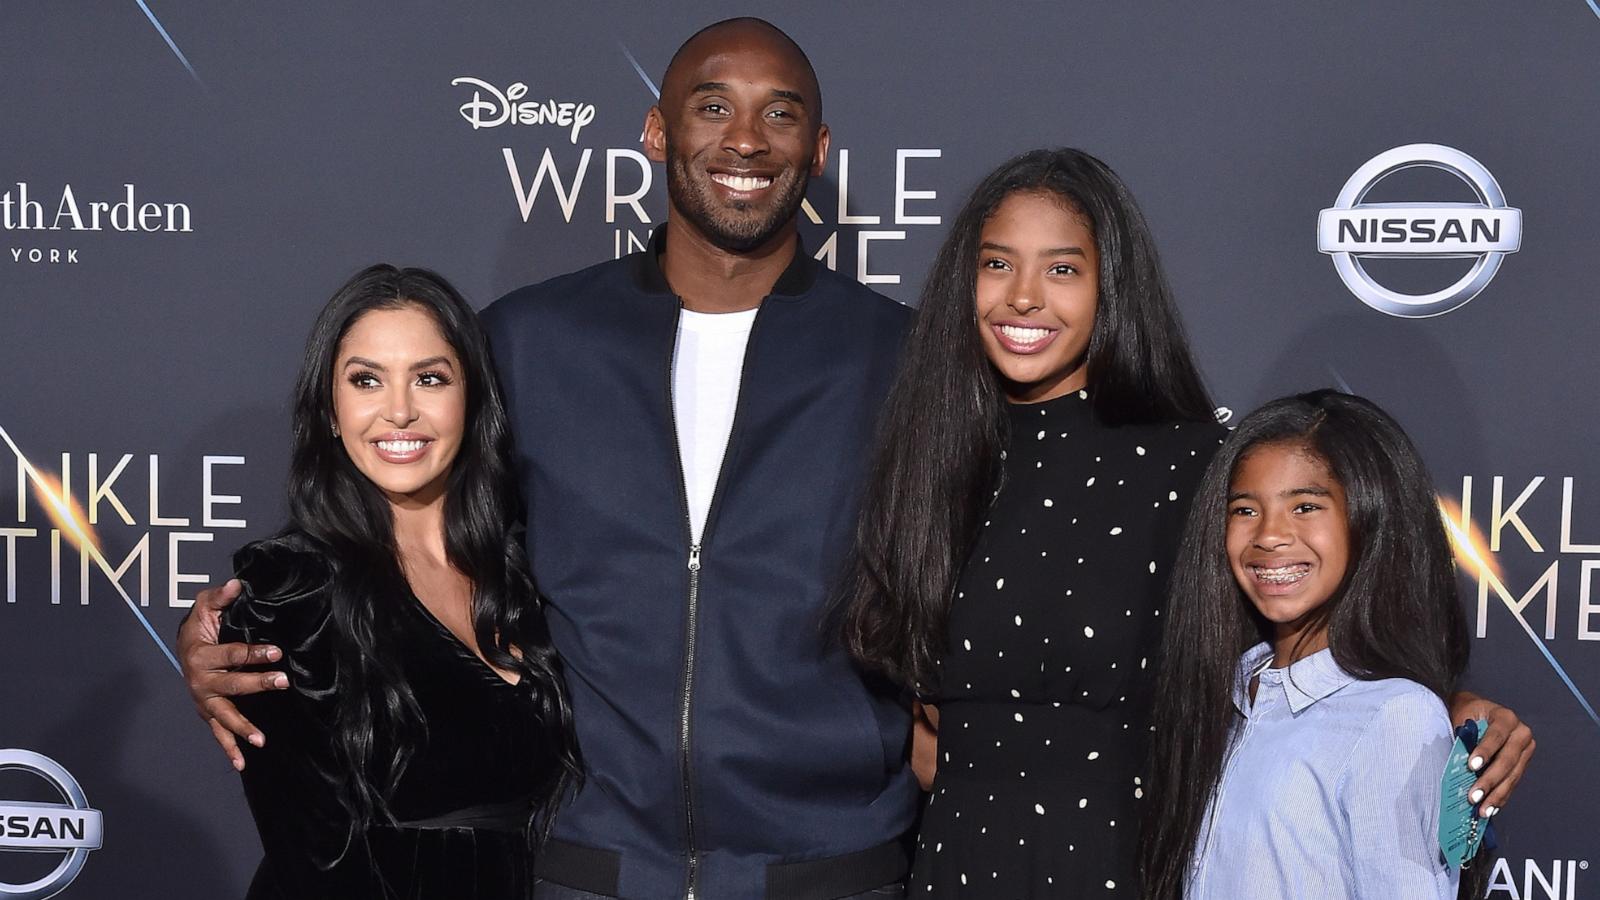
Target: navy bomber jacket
[[732, 749]]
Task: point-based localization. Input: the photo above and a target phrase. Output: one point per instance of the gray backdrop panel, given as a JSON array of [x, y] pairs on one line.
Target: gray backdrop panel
[[305, 140]]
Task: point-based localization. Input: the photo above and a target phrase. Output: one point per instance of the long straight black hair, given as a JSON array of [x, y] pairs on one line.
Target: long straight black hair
[[1395, 614], [936, 463], [351, 522]]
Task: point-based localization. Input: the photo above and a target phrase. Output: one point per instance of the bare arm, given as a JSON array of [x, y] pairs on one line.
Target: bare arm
[[924, 743]]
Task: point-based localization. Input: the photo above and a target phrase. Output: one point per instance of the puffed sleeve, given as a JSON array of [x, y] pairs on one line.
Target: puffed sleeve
[[284, 602], [292, 782], [1390, 800]]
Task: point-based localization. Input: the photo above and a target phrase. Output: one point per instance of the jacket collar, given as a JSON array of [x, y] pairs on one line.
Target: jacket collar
[[645, 266], [1303, 683]]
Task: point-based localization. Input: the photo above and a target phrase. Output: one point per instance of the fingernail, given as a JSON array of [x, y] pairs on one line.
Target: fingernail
[[238, 764], [1476, 796], [272, 653], [1489, 811], [280, 680], [257, 739], [1475, 763]]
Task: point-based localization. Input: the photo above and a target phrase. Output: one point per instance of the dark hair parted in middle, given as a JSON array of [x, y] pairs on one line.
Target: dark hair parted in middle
[[940, 437], [1395, 615], [350, 518]]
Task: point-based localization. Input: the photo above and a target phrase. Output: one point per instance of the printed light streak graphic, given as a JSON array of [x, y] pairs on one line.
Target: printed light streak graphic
[[1594, 6], [62, 508], [170, 42], [1473, 553], [64, 511], [654, 91]]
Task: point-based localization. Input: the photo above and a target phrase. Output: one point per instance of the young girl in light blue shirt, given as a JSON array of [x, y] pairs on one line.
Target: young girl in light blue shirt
[[1314, 630]]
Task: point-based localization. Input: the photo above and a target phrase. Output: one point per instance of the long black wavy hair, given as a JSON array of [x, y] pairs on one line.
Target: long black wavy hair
[[936, 463], [1396, 613], [352, 523]]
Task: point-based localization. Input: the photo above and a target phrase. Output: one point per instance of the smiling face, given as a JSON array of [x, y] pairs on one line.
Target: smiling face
[[739, 129], [1037, 290], [1288, 540], [400, 403]]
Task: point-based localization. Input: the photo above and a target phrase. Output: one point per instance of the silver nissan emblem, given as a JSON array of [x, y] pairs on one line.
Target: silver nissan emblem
[[71, 826], [1485, 231]]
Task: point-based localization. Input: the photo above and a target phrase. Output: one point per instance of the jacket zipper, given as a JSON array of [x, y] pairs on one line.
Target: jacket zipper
[[683, 710], [693, 613]]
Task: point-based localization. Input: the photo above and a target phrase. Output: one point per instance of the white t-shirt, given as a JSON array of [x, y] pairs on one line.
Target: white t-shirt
[[706, 365]]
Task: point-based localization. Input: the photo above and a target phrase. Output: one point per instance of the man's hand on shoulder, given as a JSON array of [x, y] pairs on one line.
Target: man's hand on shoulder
[[211, 670]]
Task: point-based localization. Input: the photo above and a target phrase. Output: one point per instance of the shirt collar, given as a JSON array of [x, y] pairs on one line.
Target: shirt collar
[[796, 279], [1303, 684]]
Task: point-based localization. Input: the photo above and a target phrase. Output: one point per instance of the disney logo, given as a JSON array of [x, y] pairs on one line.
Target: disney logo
[[490, 107]]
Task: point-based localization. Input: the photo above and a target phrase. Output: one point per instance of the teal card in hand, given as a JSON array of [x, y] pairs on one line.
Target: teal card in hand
[[1460, 828]]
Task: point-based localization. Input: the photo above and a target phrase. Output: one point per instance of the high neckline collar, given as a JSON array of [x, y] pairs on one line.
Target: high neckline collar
[[1303, 683], [1072, 403]]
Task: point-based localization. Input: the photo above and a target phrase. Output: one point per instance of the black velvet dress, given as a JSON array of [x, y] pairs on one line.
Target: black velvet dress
[[464, 802], [1044, 689]]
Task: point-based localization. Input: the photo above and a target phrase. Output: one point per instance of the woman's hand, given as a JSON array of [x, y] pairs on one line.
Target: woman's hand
[[1502, 754]]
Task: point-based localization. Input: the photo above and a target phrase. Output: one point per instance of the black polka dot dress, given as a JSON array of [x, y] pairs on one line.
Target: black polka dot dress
[[1044, 693]]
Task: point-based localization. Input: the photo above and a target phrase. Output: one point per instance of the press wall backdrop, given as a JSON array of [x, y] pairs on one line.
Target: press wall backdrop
[[1399, 198]]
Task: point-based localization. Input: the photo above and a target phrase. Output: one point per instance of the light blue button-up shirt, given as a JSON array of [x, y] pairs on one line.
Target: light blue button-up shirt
[[1330, 789]]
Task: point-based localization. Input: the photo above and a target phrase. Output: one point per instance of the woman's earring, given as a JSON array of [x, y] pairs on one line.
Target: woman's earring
[[336, 429]]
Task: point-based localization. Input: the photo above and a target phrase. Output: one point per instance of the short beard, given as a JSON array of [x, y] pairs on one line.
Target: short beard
[[734, 234]]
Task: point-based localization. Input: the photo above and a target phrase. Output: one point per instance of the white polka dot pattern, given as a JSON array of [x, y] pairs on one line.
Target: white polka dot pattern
[[1042, 731]]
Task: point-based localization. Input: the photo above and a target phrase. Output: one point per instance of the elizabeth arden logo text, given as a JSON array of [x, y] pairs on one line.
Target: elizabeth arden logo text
[[29, 213]]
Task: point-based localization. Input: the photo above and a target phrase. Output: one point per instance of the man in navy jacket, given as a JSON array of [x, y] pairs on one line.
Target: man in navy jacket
[[692, 425], [732, 751]]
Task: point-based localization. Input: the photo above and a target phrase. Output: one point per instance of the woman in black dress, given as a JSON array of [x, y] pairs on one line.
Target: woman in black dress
[[1015, 541], [426, 729]]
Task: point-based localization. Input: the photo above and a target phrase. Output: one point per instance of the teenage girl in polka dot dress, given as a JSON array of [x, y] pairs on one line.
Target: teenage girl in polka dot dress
[[1059, 440], [1039, 452]]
